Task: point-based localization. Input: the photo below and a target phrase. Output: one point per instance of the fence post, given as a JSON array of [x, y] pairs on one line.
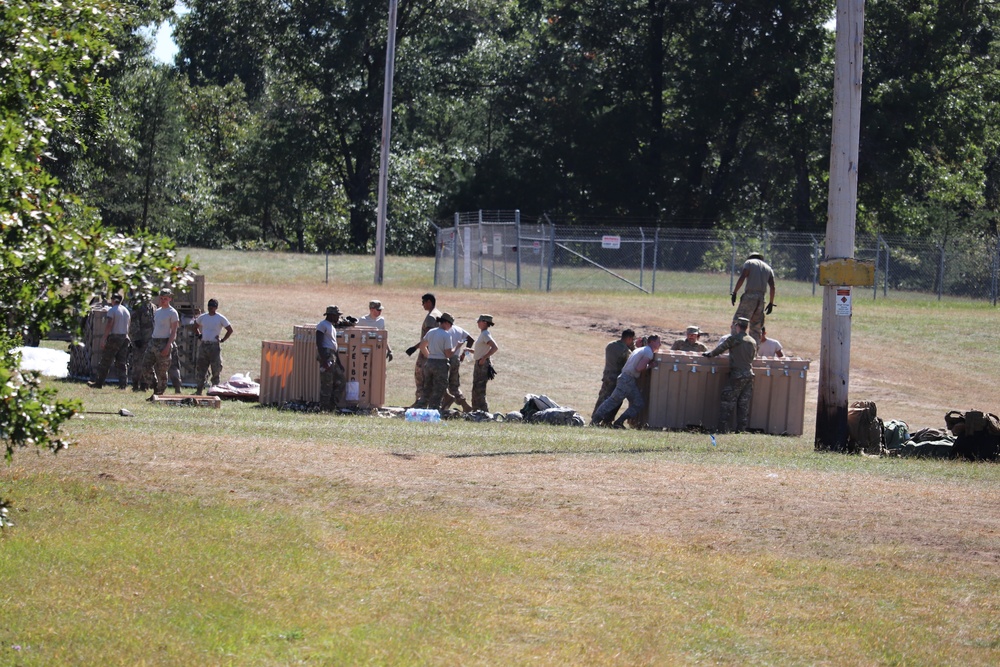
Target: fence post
[[437, 249], [552, 255], [885, 273], [479, 244], [642, 257], [517, 248], [656, 257], [815, 262], [995, 284], [327, 278], [732, 263], [941, 271], [454, 249], [878, 250]]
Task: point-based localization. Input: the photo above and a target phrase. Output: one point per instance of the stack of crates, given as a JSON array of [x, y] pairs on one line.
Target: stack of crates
[[85, 357], [362, 353], [275, 372], [685, 390]]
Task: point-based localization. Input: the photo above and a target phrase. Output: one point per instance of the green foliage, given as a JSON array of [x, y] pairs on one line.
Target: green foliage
[[54, 251], [29, 414]]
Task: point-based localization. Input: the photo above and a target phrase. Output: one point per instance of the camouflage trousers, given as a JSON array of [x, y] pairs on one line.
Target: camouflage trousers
[[751, 306], [435, 384], [608, 382], [737, 394], [627, 387], [158, 364], [454, 392], [142, 376], [209, 355], [418, 376], [480, 376], [115, 352], [332, 381]]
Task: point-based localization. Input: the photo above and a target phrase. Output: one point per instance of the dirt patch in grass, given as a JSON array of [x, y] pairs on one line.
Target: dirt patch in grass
[[537, 499]]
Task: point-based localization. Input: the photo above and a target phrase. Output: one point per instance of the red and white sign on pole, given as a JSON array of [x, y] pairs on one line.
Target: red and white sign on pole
[[844, 301], [611, 242]]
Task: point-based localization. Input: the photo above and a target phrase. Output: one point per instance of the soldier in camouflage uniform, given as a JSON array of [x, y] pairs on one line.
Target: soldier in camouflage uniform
[[438, 349], [430, 322], [616, 353], [690, 342], [158, 353], [116, 326], [758, 276], [484, 348], [739, 391], [332, 379]]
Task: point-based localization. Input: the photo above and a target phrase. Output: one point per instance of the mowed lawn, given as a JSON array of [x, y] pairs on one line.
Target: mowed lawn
[[249, 535]]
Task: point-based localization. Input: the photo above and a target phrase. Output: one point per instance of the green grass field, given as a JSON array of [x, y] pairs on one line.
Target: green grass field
[[249, 535]]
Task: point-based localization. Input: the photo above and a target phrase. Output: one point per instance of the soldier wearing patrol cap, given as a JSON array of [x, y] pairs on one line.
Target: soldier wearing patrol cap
[[332, 379], [375, 320], [437, 347], [739, 391], [482, 372], [690, 342]]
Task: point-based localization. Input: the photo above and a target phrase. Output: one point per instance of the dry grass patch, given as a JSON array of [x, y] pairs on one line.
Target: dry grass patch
[[247, 535]]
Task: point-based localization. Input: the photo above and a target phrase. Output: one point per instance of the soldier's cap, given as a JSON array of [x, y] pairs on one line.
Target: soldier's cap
[[117, 298], [446, 317], [486, 318], [693, 330], [755, 255], [166, 292], [213, 302], [376, 304], [332, 310], [742, 321]]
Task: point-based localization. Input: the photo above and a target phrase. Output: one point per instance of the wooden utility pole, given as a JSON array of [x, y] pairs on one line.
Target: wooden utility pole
[[383, 171], [835, 345]]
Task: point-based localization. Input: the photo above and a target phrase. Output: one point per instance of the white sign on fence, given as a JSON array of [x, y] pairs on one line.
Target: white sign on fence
[[497, 244], [537, 246], [611, 242]]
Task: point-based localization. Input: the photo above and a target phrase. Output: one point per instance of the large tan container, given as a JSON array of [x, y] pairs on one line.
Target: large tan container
[[85, 358], [366, 367], [276, 358], [686, 392], [362, 354], [305, 368], [193, 298]]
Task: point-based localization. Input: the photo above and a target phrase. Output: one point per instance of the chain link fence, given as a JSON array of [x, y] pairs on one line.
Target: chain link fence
[[496, 250]]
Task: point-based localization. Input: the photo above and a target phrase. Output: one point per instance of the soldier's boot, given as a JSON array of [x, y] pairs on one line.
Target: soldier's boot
[[447, 401], [465, 404], [619, 423], [95, 385], [200, 389]]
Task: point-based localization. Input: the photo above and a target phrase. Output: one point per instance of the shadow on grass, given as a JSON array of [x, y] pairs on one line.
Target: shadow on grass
[[531, 452]]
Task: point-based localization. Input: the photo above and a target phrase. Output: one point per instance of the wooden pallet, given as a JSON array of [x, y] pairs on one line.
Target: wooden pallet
[[194, 401]]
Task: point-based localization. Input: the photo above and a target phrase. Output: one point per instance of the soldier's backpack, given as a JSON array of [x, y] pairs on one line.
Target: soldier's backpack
[[557, 416], [978, 435], [864, 428]]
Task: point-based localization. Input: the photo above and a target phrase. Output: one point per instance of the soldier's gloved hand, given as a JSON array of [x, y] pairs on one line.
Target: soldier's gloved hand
[[388, 355], [706, 355], [768, 309], [411, 350], [733, 298]]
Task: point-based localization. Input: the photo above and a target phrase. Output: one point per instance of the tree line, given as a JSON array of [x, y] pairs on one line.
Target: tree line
[[706, 114]]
